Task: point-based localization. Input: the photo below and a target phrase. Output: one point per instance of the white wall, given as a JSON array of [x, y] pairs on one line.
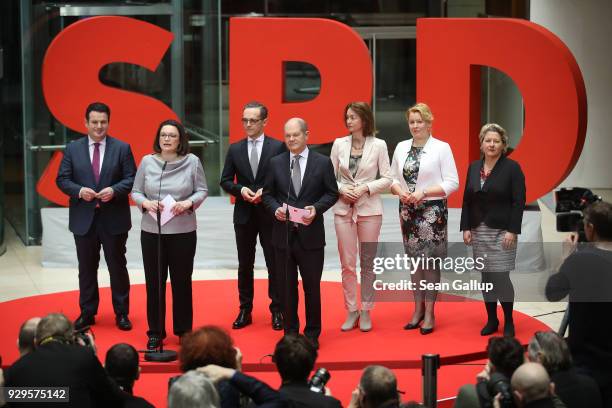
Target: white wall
[[585, 26]]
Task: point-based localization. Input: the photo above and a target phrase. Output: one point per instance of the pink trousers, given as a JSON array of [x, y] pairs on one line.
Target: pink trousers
[[350, 235]]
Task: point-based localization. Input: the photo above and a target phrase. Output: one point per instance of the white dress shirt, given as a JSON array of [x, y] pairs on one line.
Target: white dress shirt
[[436, 167]]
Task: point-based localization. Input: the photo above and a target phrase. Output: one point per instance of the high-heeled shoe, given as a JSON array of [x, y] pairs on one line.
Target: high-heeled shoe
[[351, 321], [365, 321], [490, 328], [425, 331], [412, 326]]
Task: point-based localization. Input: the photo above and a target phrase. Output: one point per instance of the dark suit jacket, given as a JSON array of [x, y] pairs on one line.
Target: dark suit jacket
[[300, 396], [237, 166], [319, 189], [117, 171], [501, 200], [56, 364], [259, 392]]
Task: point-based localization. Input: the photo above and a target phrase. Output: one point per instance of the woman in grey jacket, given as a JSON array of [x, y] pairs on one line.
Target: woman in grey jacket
[[182, 190]]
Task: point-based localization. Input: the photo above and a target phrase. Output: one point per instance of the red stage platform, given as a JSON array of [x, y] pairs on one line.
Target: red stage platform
[[456, 337]]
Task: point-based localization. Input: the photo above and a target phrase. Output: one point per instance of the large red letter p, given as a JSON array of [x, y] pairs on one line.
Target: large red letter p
[[260, 46]]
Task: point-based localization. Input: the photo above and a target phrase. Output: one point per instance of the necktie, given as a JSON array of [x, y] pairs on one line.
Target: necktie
[[253, 159], [95, 162], [296, 177]]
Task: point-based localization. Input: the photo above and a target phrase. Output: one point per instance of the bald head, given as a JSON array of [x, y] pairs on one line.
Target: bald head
[[27, 335], [531, 381], [301, 123], [296, 135]]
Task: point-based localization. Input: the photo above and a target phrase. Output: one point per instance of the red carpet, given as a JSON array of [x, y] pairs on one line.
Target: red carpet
[[456, 337]]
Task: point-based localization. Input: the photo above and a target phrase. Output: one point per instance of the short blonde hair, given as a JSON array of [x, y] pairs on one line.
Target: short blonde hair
[[494, 127], [421, 109]]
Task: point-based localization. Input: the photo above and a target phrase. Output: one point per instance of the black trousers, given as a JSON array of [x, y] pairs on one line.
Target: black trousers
[[177, 253], [88, 255], [310, 265], [260, 223]]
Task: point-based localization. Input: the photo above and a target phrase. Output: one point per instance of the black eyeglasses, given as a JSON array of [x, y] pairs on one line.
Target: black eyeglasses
[[246, 121]]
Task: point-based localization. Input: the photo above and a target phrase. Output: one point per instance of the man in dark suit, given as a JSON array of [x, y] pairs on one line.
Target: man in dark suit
[[58, 361], [295, 357], [243, 177], [303, 179], [121, 364], [97, 173]]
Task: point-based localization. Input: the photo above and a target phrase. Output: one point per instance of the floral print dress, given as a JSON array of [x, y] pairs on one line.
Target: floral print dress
[[424, 226]]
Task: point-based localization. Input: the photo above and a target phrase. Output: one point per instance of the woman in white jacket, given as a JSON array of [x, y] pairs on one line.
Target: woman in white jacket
[[361, 164], [424, 175]]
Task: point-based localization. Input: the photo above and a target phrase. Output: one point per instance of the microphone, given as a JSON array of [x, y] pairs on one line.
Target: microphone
[[159, 196]]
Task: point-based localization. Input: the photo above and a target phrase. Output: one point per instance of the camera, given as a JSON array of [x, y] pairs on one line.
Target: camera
[[318, 380], [81, 337], [497, 384], [571, 202]]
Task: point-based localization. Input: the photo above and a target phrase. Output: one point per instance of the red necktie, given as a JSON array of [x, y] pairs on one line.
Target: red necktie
[[95, 163]]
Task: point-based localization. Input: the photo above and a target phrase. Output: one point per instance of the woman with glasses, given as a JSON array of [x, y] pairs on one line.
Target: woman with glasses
[[424, 175], [493, 204], [361, 164], [176, 177]]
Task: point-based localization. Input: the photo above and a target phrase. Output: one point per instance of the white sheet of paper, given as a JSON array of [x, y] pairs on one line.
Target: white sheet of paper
[[166, 214], [296, 214]]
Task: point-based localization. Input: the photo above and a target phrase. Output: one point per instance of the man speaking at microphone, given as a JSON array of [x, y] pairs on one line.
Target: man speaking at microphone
[[303, 179], [97, 173]]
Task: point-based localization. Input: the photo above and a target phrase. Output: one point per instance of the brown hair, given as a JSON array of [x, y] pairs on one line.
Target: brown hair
[[364, 111], [600, 215], [207, 345], [183, 146], [421, 109]]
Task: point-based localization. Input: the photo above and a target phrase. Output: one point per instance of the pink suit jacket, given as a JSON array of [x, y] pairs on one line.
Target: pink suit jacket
[[374, 161]]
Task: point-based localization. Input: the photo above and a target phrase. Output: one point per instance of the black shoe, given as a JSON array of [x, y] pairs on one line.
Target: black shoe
[[490, 328], [412, 326], [424, 331], [277, 321], [314, 341], [244, 319], [83, 322], [123, 323], [154, 342], [509, 329]]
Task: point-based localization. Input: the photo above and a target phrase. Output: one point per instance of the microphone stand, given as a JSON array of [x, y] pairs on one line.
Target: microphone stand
[[160, 355]]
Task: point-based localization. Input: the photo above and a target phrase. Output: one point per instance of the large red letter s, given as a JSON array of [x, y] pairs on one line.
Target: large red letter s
[[260, 46], [70, 81], [449, 55]]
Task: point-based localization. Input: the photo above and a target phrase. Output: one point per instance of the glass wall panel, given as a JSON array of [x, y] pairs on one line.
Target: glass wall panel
[[11, 123], [502, 103], [395, 87], [187, 80]]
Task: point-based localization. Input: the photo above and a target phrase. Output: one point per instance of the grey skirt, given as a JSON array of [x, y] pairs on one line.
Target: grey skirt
[[487, 244]]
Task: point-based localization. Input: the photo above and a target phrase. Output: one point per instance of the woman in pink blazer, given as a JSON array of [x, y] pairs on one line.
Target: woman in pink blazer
[[358, 160], [424, 175]]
